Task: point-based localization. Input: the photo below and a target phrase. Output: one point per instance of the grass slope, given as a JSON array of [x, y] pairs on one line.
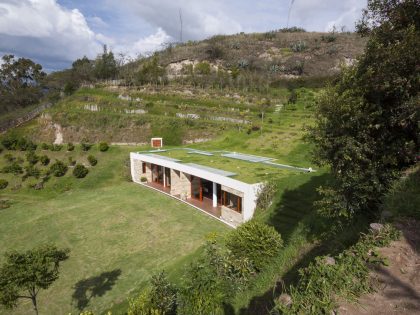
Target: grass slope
[[119, 234]]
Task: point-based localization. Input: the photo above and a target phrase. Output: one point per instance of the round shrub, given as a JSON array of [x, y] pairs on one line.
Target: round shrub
[[3, 183], [80, 171], [56, 147], [103, 146], [70, 146], [85, 146], [13, 168], [92, 160], [71, 161], [45, 160], [32, 158], [256, 241], [45, 146], [58, 169]]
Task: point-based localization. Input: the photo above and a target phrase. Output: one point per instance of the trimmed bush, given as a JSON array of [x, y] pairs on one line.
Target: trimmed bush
[[45, 160], [56, 147], [256, 241], [3, 183], [9, 142], [80, 171], [92, 160], [13, 168], [32, 158], [70, 146], [9, 157], [45, 146], [31, 171], [58, 169], [103, 146], [85, 146], [143, 179]]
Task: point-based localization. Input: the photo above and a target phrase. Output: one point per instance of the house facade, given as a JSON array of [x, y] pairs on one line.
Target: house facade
[[210, 190]]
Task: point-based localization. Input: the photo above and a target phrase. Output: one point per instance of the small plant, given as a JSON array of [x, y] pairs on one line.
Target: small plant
[[31, 171], [331, 37], [56, 147], [92, 160], [45, 160], [103, 146], [13, 168], [143, 179], [70, 146], [58, 169], [45, 146], [255, 241], [32, 158], [266, 195], [85, 146], [80, 171], [298, 46], [3, 183]]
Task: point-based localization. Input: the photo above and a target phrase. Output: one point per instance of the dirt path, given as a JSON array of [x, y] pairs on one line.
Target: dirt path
[[398, 285]]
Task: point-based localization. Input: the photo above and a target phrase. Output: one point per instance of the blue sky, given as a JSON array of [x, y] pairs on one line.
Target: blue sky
[[56, 32]]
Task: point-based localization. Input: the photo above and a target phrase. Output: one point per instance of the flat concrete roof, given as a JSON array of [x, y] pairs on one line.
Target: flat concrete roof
[[246, 157], [211, 169], [162, 157]]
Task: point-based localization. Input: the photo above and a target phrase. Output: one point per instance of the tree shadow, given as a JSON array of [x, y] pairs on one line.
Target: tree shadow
[[92, 287], [292, 211]]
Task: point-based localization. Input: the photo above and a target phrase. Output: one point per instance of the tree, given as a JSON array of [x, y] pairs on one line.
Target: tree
[[367, 126], [106, 65], [20, 82], [24, 274]]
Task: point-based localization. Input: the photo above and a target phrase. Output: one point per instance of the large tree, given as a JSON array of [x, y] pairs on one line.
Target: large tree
[[20, 83], [106, 65], [24, 274], [368, 122]]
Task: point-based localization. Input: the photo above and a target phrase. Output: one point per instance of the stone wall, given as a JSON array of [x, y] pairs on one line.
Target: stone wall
[[232, 191], [148, 173], [180, 184], [231, 216], [137, 170]]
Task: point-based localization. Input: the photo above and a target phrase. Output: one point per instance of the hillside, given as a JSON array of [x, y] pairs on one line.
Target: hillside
[[275, 55]]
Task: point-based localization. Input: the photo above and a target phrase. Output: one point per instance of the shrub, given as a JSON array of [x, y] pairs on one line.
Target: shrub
[[256, 241], [56, 147], [103, 146], [143, 179], [45, 160], [266, 194], [45, 146], [86, 146], [1, 149], [329, 38], [163, 294], [92, 160], [31, 171], [70, 146], [141, 305], [3, 183], [13, 168], [10, 142], [80, 171], [58, 169], [32, 158], [298, 46]]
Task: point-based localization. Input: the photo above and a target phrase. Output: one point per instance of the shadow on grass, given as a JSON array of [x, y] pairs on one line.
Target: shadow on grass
[[294, 209], [92, 287]]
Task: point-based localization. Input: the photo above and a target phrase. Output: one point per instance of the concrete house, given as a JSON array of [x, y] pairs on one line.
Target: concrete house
[[208, 189]]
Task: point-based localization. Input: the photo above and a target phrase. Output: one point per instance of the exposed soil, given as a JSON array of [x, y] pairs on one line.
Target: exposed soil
[[398, 285]]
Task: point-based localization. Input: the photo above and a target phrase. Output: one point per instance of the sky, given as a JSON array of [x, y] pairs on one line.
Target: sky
[[54, 33]]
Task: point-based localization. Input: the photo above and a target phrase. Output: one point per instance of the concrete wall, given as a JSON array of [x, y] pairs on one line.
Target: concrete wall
[[136, 170], [231, 216]]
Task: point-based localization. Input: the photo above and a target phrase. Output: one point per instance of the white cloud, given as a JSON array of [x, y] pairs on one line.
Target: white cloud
[[46, 30]]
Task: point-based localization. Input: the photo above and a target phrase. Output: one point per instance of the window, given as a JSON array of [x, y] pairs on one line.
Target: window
[[232, 201], [144, 167]]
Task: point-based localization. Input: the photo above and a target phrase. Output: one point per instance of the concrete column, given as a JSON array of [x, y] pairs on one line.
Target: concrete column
[[214, 194], [164, 177]]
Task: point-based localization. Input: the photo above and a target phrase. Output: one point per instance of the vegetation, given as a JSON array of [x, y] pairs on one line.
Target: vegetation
[[346, 276], [80, 171], [376, 136], [103, 146], [3, 183], [92, 160], [58, 169], [24, 274]]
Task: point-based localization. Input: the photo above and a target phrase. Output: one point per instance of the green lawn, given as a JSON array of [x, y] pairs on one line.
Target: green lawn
[[119, 234]]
